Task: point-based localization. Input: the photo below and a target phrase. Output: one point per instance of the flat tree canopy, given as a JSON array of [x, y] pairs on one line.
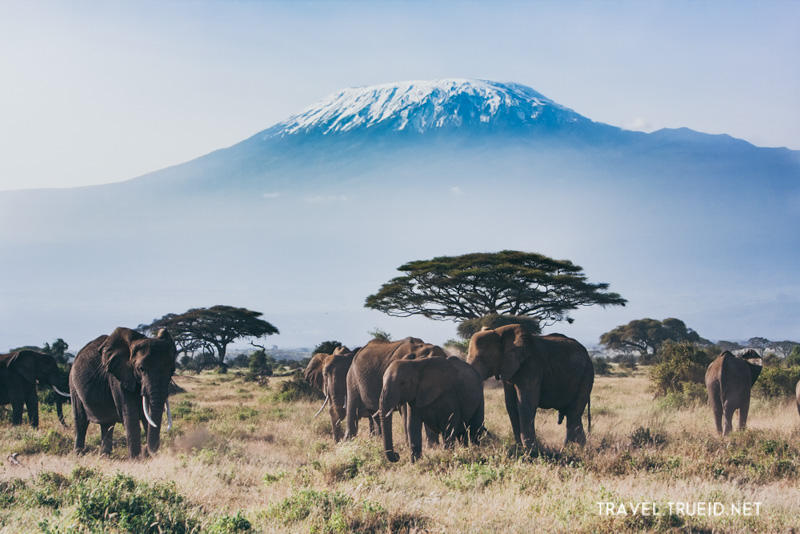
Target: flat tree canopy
[[503, 283], [644, 334], [216, 327]]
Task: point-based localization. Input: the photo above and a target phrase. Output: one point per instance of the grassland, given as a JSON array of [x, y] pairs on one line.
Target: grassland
[[241, 459]]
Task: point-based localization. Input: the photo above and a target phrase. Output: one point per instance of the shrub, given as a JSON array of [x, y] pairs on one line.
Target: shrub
[[379, 334], [260, 365], [776, 382], [679, 363], [333, 511], [601, 366], [296, 389]]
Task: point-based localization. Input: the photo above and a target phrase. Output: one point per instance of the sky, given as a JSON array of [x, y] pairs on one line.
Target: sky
[[99, 92]]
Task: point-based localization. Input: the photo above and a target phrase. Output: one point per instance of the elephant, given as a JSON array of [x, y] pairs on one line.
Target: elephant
[[328, 372], [552, 371], [123, 378], [797, 394], [444, 394], [729, 379], [19, 372], [365, 378]]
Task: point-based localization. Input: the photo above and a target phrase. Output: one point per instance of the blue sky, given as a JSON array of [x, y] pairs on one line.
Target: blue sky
[[95, 92]]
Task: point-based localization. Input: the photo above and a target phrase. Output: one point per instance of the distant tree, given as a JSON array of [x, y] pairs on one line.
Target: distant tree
[[644, 335], [731, 346], [783, 347], [758, 343], [58, 350], [794, 357], [216, 327], [507, 283], [326, 347]]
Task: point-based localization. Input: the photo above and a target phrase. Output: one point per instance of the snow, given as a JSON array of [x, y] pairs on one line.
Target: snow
[[422, 106]]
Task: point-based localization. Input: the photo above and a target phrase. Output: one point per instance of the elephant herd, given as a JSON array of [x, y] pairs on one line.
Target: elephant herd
[[124, 378], [445, 395]]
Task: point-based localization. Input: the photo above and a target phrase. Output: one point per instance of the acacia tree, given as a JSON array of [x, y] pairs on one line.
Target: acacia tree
[[508, 283], [645, 334], [217, 327]]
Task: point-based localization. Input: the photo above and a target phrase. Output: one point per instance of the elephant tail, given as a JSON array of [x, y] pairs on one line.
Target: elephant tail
[[589, 413]]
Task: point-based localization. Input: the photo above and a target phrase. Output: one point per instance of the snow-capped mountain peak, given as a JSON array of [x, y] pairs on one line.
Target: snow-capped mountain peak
[[421, 106]]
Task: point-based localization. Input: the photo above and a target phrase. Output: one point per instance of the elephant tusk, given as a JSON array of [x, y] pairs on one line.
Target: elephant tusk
[[327, 398], [169, 417], [147, 413], [67, 395]]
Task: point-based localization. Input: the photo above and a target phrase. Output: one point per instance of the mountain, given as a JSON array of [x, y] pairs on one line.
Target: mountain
[[305, 219]]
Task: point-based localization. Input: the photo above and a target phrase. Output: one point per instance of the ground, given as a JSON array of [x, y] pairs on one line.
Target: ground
[[244, 457]]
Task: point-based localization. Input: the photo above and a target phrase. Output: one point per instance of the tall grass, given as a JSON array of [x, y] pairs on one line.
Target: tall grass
[[243, 457]]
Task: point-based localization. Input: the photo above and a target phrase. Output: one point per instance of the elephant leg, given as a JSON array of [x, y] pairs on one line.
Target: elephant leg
[[353, 405], [374, 425], [17, 407], [414, 432], [575, 433], [107, 437], [475, 426], [511, 407], [527, 403], [81, 423], [727, 414], [131, 421], [32, 403], [336, 422], [431, 437], [716, 408], [743, 411]]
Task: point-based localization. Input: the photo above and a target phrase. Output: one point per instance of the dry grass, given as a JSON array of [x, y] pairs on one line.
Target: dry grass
[[234, 449]]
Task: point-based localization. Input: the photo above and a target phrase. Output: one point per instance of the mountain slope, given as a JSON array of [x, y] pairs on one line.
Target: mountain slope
[[305, 219]]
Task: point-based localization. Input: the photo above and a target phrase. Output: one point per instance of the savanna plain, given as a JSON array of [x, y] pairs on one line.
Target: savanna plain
[[245, 456]]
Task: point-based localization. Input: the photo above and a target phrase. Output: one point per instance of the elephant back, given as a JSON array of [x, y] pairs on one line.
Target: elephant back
[[365, 377]]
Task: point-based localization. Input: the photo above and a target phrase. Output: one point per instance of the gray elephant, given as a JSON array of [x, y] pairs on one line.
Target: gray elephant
[[328, 373], [444, 394], [729, 379], [19, 372], [365, 378], [551, 371], [123, 378]]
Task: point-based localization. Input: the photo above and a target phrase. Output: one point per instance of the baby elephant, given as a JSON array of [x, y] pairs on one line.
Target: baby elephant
[[729, 379], [445, 394]]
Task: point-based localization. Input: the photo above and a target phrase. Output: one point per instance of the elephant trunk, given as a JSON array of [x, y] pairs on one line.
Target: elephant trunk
[[387, 405], [154, 411]]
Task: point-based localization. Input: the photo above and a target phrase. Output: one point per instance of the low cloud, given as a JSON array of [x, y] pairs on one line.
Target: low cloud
[[639, 124], [456, 191], [271, 195]]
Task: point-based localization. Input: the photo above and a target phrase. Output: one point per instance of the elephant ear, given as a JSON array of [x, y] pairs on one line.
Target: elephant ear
[[434, 380], [24, 363], [515, 350], [116, 355]]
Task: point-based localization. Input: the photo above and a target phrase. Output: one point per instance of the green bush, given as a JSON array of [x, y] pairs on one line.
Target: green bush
[[679, 363], [295, 389], [777, 382], [334, 512], [601, 366]]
